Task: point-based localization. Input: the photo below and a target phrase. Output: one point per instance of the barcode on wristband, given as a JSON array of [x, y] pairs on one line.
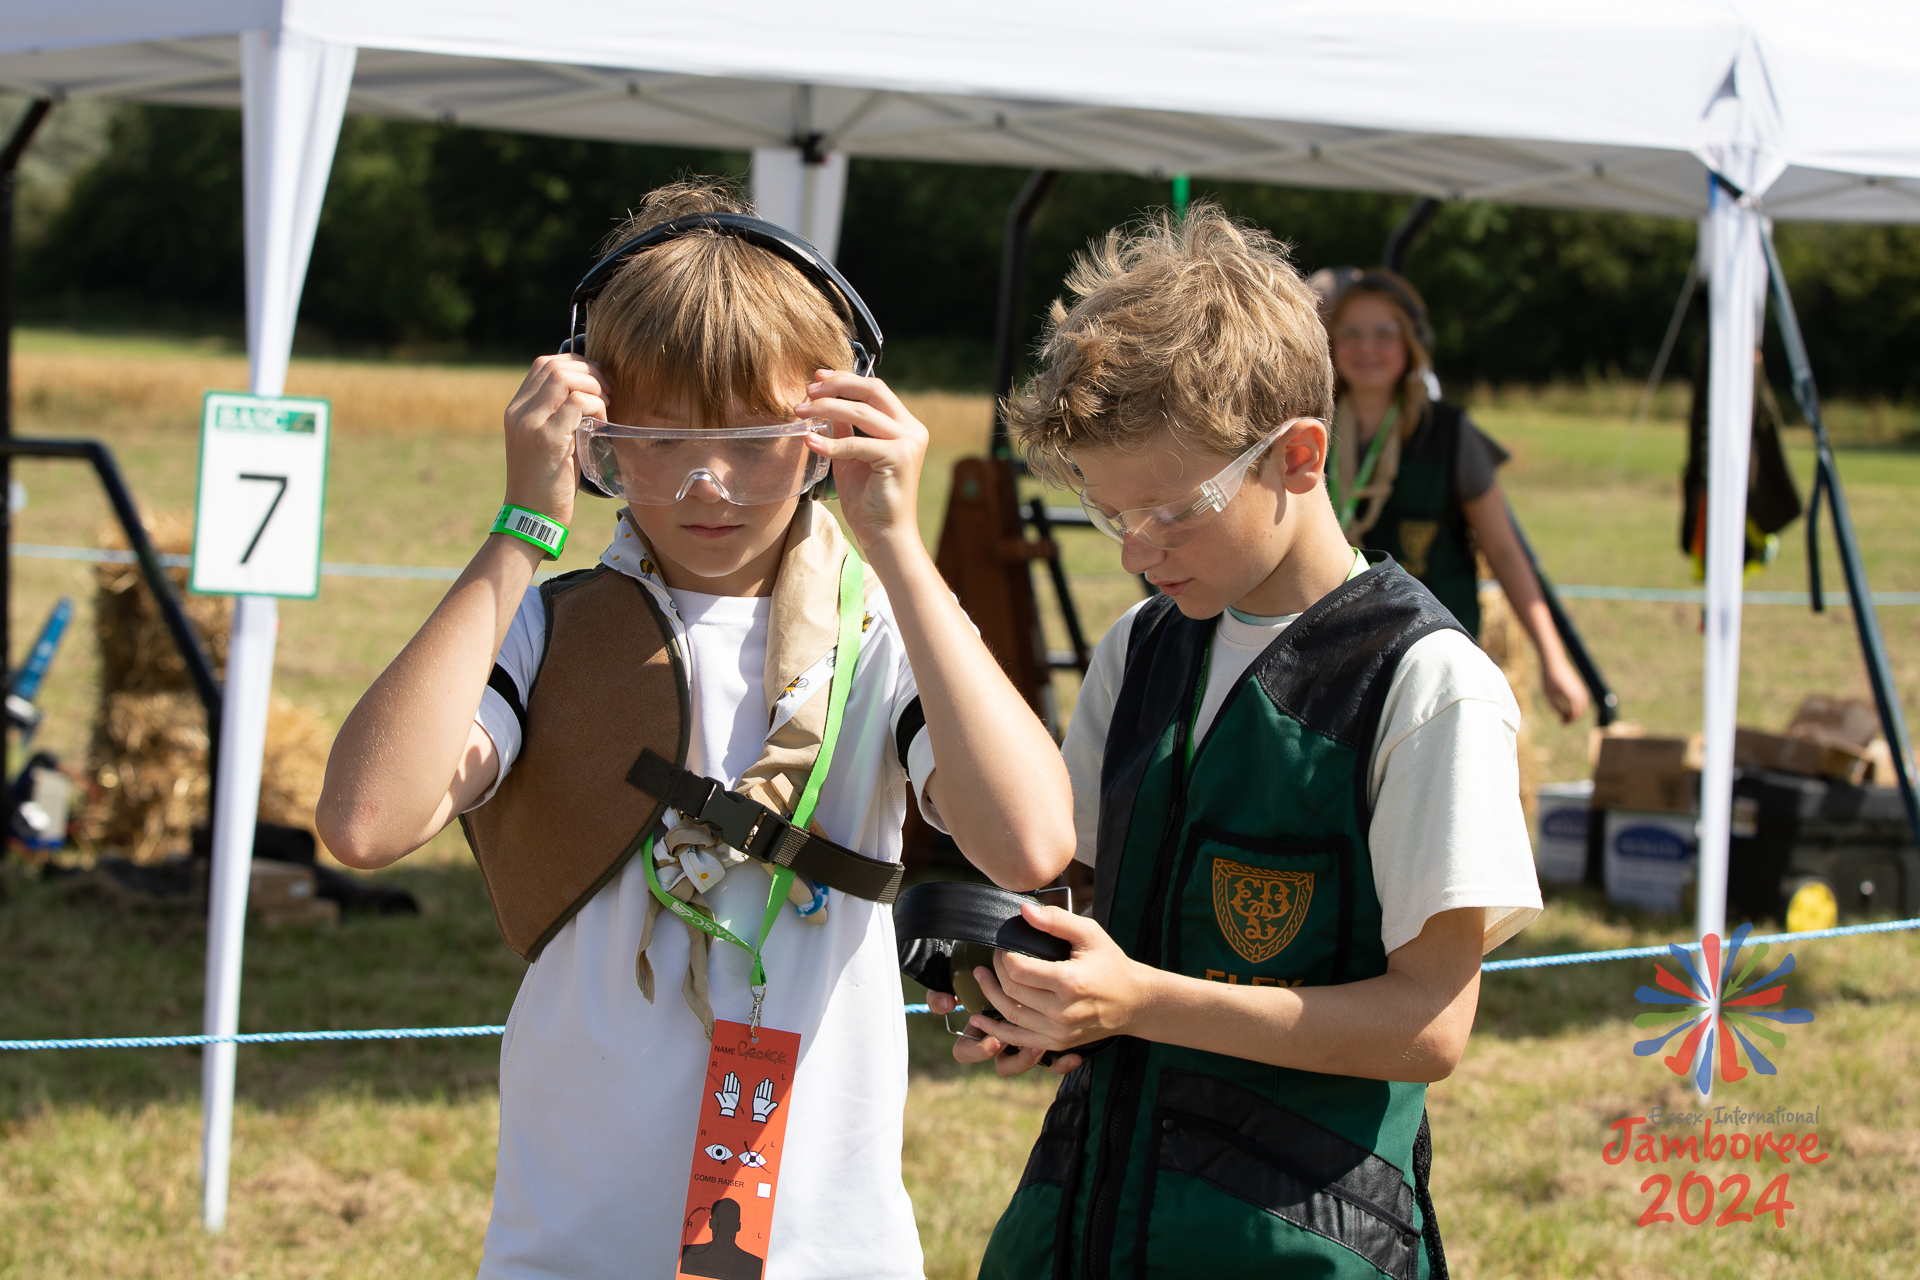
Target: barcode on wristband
[[534, 527]]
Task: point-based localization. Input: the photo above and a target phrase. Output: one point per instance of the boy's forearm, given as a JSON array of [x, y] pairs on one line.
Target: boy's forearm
[[401, 749], [1001, 785], [1384, 1028]]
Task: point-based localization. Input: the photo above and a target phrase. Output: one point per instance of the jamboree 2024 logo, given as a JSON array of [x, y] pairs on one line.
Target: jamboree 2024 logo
[[1718, 1006]]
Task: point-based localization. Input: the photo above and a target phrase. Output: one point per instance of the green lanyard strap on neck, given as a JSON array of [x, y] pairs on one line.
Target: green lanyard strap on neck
[[846, 658], [1344, 506]]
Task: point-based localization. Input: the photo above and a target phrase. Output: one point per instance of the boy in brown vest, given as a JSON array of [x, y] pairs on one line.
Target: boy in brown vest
[[813, 694]]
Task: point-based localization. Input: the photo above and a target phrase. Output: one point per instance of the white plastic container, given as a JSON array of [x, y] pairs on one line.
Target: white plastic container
[[1650, 858], [1561, 810]]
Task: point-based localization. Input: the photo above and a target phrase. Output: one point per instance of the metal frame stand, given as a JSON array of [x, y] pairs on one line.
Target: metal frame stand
[[23, 132], [1826, 481], [192, 651]]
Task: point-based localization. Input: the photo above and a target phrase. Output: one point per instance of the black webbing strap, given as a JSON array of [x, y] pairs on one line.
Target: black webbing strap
[[764, 835], [502, 683]]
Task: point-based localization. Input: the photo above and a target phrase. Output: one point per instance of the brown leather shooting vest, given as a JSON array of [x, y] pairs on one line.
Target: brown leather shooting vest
[[566, 818]]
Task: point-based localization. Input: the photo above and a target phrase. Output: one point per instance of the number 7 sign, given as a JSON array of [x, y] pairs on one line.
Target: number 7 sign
[[263, 486]]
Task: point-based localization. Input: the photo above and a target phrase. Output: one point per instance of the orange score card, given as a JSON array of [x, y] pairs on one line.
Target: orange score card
[[736, 1161]]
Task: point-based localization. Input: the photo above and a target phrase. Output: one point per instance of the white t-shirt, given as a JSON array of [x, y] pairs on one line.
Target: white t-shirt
[[1447, 827], [600, 1090]]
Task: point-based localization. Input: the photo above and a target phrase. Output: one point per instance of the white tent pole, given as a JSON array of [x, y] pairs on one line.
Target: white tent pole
[[294, 92], [805, 198], [1737, 283]]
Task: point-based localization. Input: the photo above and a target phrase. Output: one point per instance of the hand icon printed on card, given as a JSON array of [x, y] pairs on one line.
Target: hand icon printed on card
[[728, 1095], [763, 1103]]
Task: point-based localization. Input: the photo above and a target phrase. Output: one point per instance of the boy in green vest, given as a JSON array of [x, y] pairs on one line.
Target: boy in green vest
[[1294, 777]]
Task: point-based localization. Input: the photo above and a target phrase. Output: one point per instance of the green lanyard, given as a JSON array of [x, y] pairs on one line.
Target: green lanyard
[[846, 657], [1367, 464]]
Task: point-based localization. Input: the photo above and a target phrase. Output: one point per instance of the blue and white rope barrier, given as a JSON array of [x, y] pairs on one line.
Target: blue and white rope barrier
[[444, 1033]]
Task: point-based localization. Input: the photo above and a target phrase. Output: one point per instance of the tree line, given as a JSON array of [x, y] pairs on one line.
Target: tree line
[[462, 243]]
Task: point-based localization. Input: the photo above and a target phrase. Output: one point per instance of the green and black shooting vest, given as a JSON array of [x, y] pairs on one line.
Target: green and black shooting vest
[[1251, 866], [1423, 526]]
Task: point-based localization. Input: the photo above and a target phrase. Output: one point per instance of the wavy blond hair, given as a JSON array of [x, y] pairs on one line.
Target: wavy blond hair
[[1197, 327]]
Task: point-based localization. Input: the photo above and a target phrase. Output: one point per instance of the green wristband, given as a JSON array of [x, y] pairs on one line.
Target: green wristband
[[530, 526]]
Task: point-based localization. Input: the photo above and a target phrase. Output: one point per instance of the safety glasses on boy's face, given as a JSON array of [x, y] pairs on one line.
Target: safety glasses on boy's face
[[1174, 524], [658, 466]]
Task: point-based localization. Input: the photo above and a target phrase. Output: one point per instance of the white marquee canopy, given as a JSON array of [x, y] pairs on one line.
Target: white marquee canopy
[[1808, 111], [1584, 105]]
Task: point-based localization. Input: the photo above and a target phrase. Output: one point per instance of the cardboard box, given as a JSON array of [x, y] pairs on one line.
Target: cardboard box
[[1651, 775], [1846, 722], [280, 887], [1650, 859], [1809, 757], [1562, 810], [314, 911]]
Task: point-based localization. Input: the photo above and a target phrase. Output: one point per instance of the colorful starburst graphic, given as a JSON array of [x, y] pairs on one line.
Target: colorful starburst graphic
[[1721, 1009]]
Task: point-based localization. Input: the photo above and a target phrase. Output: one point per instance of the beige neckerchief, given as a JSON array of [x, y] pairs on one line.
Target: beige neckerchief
[[1347, 453], [802, 632]]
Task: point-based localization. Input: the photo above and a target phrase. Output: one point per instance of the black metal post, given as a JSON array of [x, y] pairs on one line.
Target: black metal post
[[1013, 273], [9, 169], [1042, 521], [1893, 721], [1606, 704], [1393, 255], [178, 626]]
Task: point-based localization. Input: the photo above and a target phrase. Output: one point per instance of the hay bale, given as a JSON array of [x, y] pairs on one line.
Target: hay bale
[[137, 653], [149, 752]]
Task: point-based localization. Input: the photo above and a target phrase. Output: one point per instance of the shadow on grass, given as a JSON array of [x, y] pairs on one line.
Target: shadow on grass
[[75, 964]]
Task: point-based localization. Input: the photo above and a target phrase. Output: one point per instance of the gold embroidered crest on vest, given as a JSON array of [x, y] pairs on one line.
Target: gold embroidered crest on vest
[[1259, 911], [1416, 540]]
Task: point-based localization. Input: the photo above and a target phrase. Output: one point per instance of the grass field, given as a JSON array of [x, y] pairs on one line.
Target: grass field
[[377, 1160]]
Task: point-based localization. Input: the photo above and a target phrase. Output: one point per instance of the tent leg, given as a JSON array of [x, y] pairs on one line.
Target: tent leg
[[1735, 271], [803, 190], [1827, 478], [294, 94]]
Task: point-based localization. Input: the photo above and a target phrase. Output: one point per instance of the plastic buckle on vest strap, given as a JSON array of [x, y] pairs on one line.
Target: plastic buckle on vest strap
[[736, 818]]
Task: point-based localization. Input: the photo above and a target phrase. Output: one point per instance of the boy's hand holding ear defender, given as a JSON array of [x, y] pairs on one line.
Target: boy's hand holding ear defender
[[541, 419], [877, 473]]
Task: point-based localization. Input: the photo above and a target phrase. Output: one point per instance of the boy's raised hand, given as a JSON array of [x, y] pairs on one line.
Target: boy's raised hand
[[878, 473], [558, 392]]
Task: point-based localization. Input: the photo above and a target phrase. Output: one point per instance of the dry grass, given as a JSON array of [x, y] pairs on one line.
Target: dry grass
[[376, 1160]]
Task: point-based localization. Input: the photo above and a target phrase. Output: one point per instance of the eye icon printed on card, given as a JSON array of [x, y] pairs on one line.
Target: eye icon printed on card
[[763, 1103], [728, 1096], [720, 1153], [753, 1159]]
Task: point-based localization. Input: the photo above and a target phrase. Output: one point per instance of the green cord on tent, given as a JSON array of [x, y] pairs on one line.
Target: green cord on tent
[[1180, 187]]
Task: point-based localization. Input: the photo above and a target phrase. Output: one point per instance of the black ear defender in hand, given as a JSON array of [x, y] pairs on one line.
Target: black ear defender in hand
[[946, 928], [777, 240]]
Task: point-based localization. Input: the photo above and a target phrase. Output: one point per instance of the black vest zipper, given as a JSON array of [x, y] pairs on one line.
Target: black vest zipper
[[1123, 1105]]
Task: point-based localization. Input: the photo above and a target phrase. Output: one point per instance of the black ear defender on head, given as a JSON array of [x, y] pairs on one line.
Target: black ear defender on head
[[777, 240]]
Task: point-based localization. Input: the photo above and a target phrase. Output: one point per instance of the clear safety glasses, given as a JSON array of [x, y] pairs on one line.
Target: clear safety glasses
[[658, 466], [1174, 524]]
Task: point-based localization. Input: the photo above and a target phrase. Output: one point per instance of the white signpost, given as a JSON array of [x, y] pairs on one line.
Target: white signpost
[[256, 535]]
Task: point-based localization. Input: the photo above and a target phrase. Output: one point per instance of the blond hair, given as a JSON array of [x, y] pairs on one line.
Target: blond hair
[[706, 321], [1198, 327]]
